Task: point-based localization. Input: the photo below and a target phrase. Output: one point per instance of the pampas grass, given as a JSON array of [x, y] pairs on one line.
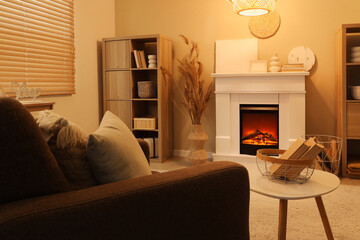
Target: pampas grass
[[195, 95]]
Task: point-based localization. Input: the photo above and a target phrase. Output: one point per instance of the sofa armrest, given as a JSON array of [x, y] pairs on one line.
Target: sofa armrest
[[208, 201]]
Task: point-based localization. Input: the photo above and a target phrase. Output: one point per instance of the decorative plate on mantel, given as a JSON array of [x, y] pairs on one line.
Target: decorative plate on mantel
[[265, 26], [302, 55]]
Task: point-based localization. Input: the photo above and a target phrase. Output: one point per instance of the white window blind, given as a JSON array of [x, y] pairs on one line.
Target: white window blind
[[37, 45]]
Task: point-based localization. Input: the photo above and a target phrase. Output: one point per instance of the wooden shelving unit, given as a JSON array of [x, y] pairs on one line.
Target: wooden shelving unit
[[120, 91], [348, 109]]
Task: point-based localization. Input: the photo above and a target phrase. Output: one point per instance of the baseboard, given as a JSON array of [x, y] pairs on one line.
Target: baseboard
[[184, 153]]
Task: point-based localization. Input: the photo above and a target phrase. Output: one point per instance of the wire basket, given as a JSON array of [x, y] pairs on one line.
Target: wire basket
[[300, 170], [329, 158], [270, 165]]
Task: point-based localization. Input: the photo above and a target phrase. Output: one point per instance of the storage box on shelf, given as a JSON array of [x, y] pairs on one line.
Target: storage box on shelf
[[134, 89], [348, 103], [148, 123]]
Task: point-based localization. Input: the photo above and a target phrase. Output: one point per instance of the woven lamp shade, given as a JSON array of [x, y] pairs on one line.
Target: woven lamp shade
[[253, 7]]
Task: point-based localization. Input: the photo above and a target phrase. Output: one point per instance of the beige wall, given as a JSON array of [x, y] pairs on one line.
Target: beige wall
[[94, 19], [303, 23]]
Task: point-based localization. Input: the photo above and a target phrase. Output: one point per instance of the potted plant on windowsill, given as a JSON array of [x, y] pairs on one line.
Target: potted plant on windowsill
[[195, 97]]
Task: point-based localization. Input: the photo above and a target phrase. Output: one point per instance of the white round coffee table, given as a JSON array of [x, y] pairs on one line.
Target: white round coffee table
[[319, 184]]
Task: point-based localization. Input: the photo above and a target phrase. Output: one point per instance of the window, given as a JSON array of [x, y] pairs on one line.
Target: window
[[37, 45]]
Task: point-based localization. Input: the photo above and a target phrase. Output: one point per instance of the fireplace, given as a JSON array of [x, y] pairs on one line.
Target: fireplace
[[259, 127], [283, 90]]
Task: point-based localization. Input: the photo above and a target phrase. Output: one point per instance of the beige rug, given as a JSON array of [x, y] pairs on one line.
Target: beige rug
[[304, 221]]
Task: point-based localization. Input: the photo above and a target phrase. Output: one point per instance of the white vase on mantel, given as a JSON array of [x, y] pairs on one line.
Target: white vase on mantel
[[274, 64]]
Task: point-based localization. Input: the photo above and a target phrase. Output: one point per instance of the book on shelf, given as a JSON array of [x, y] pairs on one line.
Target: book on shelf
[[136, 59], [139, 56], [143, 60], [293, 67], [153, 146]]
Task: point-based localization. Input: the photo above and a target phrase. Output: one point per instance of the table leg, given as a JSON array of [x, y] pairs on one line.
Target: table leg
[[282, 219], [324, 217]]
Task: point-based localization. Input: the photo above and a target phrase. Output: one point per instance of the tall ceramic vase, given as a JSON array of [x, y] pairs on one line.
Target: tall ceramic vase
[[197, 139]]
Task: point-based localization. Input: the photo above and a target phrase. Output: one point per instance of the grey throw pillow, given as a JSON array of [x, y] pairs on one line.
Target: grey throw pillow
[[67, 142], [114, 153]]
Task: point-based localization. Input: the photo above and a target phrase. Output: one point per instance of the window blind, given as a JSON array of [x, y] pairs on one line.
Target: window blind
[[37, 45]]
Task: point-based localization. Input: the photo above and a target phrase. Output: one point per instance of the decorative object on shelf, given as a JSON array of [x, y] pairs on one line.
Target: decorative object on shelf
[[253, 7], [274, 64], [145, 123], [23, 91], [355, 54], [258, 66], [302, 55], [195, 98], [152, 61], [265, 26], [146, 89], [355, 92]]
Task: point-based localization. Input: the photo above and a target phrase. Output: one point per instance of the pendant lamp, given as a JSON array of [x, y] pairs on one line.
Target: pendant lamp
[[253, 7]]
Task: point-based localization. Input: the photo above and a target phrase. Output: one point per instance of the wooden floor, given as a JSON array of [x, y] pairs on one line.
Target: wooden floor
[[170, 164]]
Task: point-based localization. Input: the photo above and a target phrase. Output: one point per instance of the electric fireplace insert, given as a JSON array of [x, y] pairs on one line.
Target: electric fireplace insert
[[259, 127]]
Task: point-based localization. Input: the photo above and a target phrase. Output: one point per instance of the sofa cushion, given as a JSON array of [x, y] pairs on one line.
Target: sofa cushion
[[27, 167], [67, 142], [114, 153]]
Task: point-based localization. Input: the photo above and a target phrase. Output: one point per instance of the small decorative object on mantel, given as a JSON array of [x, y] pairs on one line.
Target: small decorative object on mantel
[[23, 91], [274, 64], [258, 66], [265, 26], [195, 98], [302, 55]]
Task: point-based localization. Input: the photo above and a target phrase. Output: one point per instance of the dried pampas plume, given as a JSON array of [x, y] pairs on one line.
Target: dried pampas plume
[[195, 96]]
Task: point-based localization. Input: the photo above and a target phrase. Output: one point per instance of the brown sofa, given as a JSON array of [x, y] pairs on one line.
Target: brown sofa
[[208, 201]]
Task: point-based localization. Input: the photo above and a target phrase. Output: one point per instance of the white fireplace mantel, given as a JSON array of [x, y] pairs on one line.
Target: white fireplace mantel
[[285, 89]]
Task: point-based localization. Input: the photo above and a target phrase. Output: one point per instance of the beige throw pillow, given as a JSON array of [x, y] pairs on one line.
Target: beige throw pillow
[[114, 153]]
